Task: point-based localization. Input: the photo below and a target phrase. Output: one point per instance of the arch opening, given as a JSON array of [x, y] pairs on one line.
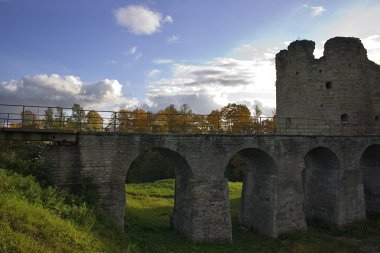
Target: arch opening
[[258, 173], [157, 191], [370, 167], [322, 185]]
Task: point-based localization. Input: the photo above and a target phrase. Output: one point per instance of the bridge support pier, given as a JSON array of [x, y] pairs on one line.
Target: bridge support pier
[[63, 161], [258, 203], [203, 212]]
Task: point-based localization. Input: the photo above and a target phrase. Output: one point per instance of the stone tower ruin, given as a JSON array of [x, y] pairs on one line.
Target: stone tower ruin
[[338, 93]]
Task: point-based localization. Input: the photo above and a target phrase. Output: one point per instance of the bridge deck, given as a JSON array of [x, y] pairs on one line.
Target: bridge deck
[[20, 134]]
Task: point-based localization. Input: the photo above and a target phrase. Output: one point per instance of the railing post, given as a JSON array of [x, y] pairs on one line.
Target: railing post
[[114, 121], [23, 115], [260, 126]]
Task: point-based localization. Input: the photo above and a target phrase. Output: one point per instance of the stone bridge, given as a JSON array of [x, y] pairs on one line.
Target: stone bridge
[[287, 179]]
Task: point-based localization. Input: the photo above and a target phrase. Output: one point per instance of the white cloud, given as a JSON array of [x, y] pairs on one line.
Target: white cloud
[[140, 20], [132, 50], [154, 73], [172, 39], [315, 10], [168, 19], [162, 61], [56, 90], [356, 22], [372, 44], [217, 83]]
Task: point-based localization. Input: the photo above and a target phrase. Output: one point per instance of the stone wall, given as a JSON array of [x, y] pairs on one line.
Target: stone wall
[[336, 94], [273, 201]]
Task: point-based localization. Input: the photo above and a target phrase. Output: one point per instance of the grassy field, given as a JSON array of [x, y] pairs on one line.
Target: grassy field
[[43, 219], [147, 223]]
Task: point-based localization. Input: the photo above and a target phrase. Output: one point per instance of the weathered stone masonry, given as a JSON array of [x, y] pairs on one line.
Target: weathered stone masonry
[[288, 178], [340, 91], [330, 172]]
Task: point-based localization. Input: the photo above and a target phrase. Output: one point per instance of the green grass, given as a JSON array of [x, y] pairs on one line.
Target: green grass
[[36, 219], [149, 207]]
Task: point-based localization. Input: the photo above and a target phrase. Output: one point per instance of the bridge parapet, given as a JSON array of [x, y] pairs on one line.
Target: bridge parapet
[[39, 119]]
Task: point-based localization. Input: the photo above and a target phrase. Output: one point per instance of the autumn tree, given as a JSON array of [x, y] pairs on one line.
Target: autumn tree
[[186, 118], [199, 124], [213, 121], [167, 120], [236, 118], [140, 121], [94, 121], [29, 119], [123, 121]]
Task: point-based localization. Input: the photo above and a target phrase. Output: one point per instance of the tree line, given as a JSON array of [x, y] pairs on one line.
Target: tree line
[[232, 118]]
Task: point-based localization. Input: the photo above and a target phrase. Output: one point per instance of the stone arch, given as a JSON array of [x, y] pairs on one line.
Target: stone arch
[[258, 197], [322, 177], [180, 219], [370, 167]]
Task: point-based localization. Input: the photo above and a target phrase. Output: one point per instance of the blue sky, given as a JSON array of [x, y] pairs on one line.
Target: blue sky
[[124, 54]]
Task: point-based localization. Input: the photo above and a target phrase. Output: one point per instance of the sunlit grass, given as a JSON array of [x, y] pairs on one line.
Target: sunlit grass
[[150, 205], [36, 219]]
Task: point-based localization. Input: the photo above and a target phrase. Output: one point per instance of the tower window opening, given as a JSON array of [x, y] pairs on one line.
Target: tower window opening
[[328, 85], [297, 73], [377, 119], [344, 118]]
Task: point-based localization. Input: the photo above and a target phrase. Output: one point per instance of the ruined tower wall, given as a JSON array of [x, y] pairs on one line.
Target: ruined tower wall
[[332, 95]]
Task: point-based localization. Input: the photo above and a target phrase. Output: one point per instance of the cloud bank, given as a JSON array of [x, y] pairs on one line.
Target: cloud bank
[[216, 83], [56, 90]]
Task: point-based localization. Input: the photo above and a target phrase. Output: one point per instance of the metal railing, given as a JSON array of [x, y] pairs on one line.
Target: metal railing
[[138, 121]]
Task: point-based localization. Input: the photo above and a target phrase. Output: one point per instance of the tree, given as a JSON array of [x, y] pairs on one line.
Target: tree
[[139, 121], [185, 118], [123, 121], [59, 118], [236, 119], [29, 119], [269, 124], [213, 121], [49, 118], [234, 171], [167, 120], [78, 116], [94, 121], [257, 124]]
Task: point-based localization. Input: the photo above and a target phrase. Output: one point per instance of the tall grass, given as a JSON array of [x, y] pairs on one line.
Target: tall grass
[[36, 219]]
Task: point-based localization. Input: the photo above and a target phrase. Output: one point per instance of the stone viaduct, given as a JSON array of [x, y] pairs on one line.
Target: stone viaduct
[[328, 170], [287, 179]]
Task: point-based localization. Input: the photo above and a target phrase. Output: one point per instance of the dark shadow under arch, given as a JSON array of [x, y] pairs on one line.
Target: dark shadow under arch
[[258, 197], [370, 167], [322, 178], [181, 216]]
